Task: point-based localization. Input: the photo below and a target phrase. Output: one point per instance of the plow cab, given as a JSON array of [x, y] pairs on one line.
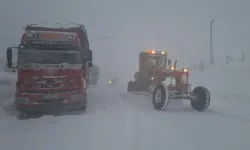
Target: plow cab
[[150, 63]]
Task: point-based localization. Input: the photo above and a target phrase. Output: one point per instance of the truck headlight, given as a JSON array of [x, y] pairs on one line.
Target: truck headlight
[[76, 97]]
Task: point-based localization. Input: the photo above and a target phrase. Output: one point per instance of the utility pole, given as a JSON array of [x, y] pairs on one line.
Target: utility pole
[[211, 43]]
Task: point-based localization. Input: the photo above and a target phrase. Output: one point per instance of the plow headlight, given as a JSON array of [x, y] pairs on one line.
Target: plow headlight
[[163, 53], [172, 68], [110, 81], [185, 70], [152, 78]]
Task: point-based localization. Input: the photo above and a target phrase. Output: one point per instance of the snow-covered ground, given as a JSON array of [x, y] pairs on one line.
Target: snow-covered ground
[[116, 120], [7, 85], [229, 87]]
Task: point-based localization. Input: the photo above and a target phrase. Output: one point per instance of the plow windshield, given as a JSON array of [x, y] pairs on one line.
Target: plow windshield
[[48, 57], [157, 61]]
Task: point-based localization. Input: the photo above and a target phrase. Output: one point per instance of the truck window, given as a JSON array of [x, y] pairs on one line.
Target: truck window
[[51, 57]]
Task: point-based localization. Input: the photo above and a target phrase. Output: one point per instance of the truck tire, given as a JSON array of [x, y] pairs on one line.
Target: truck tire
[[203, 99], [82, 107], [24, 115]]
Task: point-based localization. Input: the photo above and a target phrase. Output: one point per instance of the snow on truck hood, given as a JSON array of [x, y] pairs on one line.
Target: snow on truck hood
[[62, 66], [56, 25]]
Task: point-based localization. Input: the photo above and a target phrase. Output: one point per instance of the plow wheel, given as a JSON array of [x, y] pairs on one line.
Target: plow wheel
[[203, 99], [160, 97]]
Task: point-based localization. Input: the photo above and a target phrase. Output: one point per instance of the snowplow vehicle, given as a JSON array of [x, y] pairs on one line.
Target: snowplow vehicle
[[157, 76]]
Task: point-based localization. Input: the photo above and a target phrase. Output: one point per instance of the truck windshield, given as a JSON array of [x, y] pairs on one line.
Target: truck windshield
[[48, 57], [157, 61]]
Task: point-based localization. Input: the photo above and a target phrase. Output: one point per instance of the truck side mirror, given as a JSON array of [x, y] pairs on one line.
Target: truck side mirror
[[87, 55], [87, 58], [90, 64], [169, 62], [9, 57]]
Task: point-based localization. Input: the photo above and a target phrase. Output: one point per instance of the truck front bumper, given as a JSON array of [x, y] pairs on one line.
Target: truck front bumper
[[41, 102]]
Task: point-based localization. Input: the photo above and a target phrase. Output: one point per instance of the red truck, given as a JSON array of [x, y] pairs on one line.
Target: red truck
[[50, 72]]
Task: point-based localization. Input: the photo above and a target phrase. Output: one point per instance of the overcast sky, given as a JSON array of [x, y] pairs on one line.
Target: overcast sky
[[179, 26]]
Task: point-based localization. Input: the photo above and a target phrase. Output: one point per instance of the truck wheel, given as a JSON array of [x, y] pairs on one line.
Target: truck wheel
[[82, 107], [160, 97], [203, 99], [23, 115]]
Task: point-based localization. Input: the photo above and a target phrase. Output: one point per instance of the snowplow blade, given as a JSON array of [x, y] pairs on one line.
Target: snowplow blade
[[134, 86]]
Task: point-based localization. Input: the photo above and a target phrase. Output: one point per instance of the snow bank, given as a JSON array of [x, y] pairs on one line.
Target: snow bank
[[7, 84], [7, 90], [230, 80]]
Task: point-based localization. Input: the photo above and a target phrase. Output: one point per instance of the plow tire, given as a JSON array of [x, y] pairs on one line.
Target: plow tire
[[203, 99], [160, 97]]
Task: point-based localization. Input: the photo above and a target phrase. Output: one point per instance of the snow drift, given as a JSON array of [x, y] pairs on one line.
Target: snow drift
[[7, 83], [225, 80]]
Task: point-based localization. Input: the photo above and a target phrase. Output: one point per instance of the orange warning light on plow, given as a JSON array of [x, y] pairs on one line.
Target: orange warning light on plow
[[151, 51]]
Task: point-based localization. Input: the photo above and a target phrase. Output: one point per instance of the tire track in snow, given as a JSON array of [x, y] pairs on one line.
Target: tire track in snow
[[244, 117], [143, 102]]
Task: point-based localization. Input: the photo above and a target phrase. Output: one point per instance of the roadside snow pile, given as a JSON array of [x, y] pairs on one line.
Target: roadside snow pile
[[7, 83], [7, 78], [224, 80]]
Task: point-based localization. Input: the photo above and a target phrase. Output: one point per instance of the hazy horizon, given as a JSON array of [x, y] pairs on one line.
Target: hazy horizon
[[180, 26]]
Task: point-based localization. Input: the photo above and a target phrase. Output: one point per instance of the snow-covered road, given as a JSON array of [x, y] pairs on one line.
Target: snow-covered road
[[115, 120]]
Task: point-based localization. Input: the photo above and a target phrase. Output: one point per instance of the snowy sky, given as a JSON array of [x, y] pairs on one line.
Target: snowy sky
[[179, 26]]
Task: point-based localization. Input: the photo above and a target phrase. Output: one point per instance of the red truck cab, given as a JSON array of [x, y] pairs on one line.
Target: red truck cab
[[50, 71], [78, 29]]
